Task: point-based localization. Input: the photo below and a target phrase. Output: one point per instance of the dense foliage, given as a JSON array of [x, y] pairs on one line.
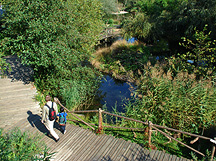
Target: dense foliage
[[16, 145], [170, 19], [109, 6], [168, 96], [202, 53], [121, 59], [55, 38], [170, 93]]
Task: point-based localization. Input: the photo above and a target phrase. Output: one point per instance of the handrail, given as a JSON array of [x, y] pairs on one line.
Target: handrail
[[177, 140], [146, 123], [57, 101], [187, 133], [151, 126]]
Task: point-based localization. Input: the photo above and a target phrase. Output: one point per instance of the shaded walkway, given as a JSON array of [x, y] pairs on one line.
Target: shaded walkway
[[17, 93]]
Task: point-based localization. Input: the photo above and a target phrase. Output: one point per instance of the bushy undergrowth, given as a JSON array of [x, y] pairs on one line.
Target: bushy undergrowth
[[16, 145], [122, 59], [79, 93]]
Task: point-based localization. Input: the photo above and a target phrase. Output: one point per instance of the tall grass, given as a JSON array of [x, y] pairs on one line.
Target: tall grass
[[180, 102], [79, 93]]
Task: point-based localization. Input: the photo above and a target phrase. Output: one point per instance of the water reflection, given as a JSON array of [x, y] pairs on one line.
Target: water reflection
[[114, 93]]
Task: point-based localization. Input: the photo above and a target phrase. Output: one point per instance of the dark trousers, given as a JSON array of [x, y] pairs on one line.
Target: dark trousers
[[62, 127]]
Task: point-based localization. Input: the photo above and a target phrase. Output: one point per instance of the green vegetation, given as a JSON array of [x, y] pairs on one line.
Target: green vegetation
[[201, 52], [169, 92], [16, 145], [55, 38], [122, 60], [170, 19]]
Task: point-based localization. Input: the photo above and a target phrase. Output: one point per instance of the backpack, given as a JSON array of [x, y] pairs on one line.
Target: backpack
[[52, 113], [62, 119]]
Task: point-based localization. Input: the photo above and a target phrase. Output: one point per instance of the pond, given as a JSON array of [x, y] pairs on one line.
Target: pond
[[114, 93]]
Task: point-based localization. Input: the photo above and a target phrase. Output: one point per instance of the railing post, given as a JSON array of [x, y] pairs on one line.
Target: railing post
[[100, 119], [149, 133], [213, 150]]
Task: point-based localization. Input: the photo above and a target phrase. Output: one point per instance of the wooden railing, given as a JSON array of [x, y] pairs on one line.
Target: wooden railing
[[148, 123]]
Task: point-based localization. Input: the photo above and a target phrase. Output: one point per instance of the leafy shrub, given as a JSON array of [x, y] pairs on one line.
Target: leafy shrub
[[110, 21], [16, 145], [202, 51], [53, 37]]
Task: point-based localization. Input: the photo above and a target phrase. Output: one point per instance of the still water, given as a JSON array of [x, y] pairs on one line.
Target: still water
[[114, 93]]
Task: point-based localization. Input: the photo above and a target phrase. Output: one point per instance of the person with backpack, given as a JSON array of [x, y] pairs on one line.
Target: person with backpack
[[62, 120], [49, 114]]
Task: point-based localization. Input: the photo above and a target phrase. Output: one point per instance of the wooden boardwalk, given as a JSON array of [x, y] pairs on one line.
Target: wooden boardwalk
[[80, 144], [20, 110]]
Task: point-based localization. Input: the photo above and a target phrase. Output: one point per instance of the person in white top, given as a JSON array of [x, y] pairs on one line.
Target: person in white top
[[45, 117]]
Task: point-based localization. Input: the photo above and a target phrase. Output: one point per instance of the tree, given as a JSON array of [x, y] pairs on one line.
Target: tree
[[201, 50], [173, 19], [109, 6], [54, 37], [139, 27]]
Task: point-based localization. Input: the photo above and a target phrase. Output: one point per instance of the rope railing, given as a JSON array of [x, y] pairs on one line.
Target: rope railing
[[148, 123]]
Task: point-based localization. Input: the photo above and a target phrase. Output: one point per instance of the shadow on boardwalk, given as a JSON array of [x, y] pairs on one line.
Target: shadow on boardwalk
[[35, 122], [18, 72]]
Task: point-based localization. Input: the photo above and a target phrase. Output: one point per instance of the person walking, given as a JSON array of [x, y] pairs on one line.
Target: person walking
[[49, 113], [62, 120]]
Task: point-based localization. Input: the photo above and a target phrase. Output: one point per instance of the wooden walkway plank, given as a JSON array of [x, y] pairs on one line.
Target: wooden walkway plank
[[157, 155], [98, 147], [166, 157], [119, 149], [86, 148], [75, 142], [151, 155], [123, 150], [111, 153], [174, 157], [84, 141], [63, 143], [9, 128], [139, 153], [50, 141], [177, 159], [129, 154], [65, 138], [171, 158], [144, 154], [66, 150], [102, 151], [93, 149], [81, 149], [161, 157], [108, 150]]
